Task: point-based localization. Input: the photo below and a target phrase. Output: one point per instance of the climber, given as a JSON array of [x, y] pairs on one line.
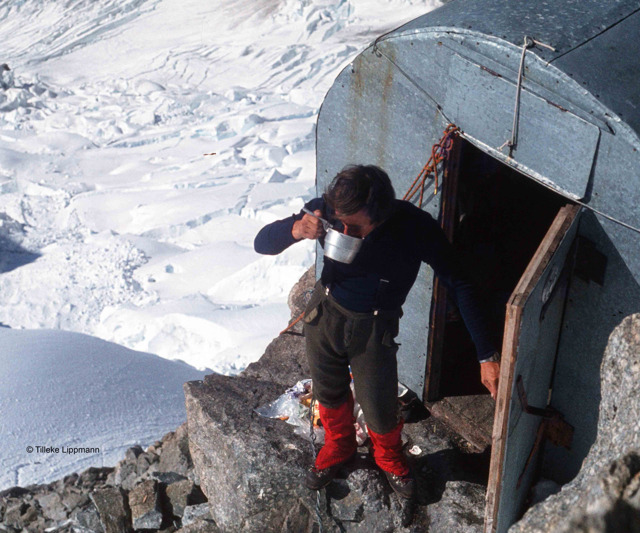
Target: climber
[[352, 317]]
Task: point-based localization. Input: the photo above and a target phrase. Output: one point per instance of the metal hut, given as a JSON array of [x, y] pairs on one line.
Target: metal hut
[[540, 193]]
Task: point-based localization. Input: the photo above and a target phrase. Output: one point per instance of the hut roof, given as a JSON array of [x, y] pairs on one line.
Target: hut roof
[[595, 42]]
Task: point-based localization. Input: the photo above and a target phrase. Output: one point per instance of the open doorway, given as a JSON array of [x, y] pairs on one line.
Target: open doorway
[[496, 218]]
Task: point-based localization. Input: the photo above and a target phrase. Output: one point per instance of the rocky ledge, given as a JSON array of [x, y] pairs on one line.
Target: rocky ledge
[[149, 490], [252, 469]]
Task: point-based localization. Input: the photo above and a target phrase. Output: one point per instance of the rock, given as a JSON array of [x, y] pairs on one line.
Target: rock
[[13, 514], [285, 361], [175, 456], [251, 468], [144, 503], [52, 507], [183, 493], [200, 526], [193, 512], [132, 453], [112, 507], [89, 520], [603, 496], [461, 508], [301, 293]]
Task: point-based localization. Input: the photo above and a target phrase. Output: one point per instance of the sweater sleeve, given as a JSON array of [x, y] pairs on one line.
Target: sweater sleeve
[[438, 252], [276, 237]]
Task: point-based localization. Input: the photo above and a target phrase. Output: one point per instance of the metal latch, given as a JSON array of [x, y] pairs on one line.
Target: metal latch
[[553, 427], [557, 429]]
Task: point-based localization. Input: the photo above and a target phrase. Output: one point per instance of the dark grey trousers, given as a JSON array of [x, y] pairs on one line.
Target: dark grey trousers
[[337, 338]]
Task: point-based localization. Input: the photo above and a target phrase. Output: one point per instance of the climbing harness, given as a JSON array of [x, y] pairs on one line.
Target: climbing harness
[[439, 153]]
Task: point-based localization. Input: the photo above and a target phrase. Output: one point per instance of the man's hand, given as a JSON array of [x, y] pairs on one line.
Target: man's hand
[[308, 227], [489, 375]]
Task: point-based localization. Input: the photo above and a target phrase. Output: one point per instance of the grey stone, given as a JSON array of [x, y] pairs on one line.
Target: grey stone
[[89, 520], [112, 507], [251, 468], [201, 526], [461, 508], [145, 505], [52, 507], [603, 497], [285, 361], [183, 493], [193, 512], [166, 478], [175, 455], [132, 453]]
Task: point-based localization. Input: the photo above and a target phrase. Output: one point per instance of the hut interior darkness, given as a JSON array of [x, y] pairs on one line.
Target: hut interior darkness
[[496, 218]]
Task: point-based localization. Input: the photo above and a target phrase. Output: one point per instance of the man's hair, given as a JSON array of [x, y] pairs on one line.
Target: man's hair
[[361, 186]]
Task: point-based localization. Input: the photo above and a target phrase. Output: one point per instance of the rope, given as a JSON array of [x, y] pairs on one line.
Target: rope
[[292, 324], [439, 153]]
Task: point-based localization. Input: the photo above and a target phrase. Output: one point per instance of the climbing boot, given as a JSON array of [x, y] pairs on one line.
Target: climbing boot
[[318, 478], [404, 486]]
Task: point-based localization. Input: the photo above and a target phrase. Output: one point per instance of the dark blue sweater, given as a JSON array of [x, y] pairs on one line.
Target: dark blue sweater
[[392, 252]]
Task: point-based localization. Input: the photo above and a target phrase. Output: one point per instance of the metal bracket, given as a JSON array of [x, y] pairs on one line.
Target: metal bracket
[[557, 429], [553, 427]]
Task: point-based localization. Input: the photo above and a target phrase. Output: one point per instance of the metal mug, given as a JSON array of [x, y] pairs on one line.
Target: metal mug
[[337, 246]]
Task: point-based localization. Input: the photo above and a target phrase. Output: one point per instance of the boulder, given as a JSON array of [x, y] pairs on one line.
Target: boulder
[[89, 520], [113, 509], [52, 507], [283, 363], [605, 495], [144, 502], [182, 493], [194, 512], [251, 469], [175, 456]]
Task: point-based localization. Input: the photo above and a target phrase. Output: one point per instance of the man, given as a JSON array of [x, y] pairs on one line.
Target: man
[[352, 317]]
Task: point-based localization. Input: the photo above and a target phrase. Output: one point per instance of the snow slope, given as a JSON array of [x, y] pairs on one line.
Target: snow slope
[[143, 143], [67, 390]]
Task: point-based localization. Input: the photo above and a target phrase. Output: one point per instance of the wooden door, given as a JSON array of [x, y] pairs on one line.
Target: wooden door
[[532, 329]]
